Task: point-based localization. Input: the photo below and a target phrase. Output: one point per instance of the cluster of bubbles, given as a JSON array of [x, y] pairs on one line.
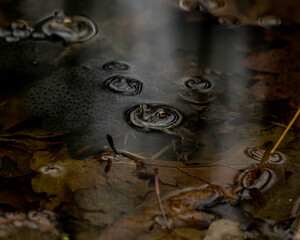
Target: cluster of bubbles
[[72, 29], [267, 21]]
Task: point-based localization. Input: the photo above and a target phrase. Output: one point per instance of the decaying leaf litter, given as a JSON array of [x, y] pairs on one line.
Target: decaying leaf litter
[[116, 191]]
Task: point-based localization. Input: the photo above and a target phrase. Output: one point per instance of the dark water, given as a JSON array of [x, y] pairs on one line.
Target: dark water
[[240, 62]]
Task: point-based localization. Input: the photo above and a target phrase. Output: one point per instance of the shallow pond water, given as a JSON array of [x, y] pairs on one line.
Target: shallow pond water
[[148, 119]]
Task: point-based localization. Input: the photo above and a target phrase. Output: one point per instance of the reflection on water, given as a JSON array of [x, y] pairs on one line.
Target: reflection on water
[[203, 80]]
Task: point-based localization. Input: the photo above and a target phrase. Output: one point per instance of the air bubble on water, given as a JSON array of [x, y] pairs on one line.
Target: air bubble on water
[[269, 21], [229, 21]]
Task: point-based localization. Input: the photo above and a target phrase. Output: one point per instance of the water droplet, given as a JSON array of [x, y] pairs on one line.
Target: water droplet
[[257, 153], [116, 65], [211, 5], [188, 5], [152, 116], [269, 21], [123, 85], [229, 21], [70, 28], [12, 39]]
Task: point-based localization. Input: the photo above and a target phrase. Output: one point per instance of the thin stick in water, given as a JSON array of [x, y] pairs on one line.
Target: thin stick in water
[[162, 151], [160, 206], [286, 130]]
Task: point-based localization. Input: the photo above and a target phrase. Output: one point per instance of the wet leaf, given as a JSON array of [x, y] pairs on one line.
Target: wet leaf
[[11, 112]]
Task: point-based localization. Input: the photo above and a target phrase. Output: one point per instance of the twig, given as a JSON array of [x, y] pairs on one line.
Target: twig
[[160, 206], [111, 143], [256, 172], [146, 161], [2, 104], [162, 151], [286, 130]]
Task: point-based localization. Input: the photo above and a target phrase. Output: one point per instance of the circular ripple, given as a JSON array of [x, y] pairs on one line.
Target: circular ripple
[[116, 65], [197, 83], [264, 181], [70, 28], [123, 85], [257, 153], [229, 21], [149, 120], [197, 90], [269, 21]]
